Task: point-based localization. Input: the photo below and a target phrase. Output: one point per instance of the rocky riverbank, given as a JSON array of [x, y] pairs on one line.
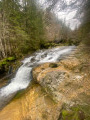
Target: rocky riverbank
[[59, 91]]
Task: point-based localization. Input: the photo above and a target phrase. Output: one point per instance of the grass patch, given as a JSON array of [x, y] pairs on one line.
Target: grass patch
[[76, 112]]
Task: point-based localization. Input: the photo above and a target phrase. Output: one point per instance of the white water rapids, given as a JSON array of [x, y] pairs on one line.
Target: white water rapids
[[23, 75]]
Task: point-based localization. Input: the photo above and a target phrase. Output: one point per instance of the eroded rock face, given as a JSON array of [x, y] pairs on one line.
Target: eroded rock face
[[61, 83], [51, 83]]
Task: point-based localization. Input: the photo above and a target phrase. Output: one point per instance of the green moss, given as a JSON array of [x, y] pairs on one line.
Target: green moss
[[86, 110], [11, 59], [75, 109], [5, 63], [78, 112], [69, 115], [65, 113], [7, 60]]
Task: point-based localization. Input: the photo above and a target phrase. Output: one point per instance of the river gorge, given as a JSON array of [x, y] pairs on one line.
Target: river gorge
[[46, 81]]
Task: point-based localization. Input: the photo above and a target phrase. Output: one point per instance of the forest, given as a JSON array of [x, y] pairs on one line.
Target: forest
[[44, 59], [24, 25]]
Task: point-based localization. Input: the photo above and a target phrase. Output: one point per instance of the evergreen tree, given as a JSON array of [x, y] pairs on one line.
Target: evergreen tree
[[21, 24], [33, 23]]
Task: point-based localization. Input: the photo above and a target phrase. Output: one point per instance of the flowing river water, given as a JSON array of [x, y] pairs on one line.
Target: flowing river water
[[23, 75]]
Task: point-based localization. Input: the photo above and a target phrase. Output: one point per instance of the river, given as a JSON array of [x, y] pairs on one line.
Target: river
[[23, 75]]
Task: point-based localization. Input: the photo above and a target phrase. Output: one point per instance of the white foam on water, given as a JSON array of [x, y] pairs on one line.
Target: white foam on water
[[21, 81]]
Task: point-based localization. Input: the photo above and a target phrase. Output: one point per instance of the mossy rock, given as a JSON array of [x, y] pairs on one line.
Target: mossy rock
[[7, 60], [5, 63], [78, 112], [67, 115]]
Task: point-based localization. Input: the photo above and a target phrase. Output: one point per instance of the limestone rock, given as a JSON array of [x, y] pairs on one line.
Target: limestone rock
[[60, 83]]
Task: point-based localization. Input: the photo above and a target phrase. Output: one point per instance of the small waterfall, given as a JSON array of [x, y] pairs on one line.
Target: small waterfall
[[23, 75]]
